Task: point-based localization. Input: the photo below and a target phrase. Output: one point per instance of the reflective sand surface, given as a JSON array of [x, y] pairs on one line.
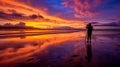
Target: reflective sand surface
[[61, 50]]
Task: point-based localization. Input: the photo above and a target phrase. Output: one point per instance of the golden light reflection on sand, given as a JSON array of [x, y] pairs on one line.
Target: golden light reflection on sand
[[34, 44]]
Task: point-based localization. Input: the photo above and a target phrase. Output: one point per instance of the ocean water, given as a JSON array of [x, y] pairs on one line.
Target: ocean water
[[61, 49]]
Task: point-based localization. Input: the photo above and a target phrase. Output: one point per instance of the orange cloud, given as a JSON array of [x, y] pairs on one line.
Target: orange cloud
[[27, 10]]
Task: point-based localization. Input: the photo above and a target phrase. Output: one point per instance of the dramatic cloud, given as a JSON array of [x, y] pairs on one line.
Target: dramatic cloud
[[83, 8], [36, 16], [74, 13], [18, 16], [110, 24], [94, 10], [26, 7]]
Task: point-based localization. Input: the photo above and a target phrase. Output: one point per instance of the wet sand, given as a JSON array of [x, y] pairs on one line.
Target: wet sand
[[61, 50]]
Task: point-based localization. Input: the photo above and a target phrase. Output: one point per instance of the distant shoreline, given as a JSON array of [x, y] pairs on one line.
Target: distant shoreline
[[32, 28]]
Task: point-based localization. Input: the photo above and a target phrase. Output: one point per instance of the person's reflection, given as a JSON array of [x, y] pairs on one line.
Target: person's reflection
[[88, 51]]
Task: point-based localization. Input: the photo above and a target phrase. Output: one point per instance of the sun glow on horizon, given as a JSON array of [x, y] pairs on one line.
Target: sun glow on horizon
[[24, 12]]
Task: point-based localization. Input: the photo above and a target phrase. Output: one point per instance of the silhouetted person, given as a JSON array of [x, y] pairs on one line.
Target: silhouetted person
[[88, 51], [89, 28]]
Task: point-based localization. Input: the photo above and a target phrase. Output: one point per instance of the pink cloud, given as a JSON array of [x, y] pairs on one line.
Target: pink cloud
[[82, 8]]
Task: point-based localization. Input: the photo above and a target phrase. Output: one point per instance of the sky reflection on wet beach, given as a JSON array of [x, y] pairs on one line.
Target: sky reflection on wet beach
[[61, 50]]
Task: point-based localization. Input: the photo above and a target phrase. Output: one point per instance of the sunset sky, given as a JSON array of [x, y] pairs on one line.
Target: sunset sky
[[57, 13]]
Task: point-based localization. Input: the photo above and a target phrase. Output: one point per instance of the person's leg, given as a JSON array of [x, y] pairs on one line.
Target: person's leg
[[87, 36], [90, 35]]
